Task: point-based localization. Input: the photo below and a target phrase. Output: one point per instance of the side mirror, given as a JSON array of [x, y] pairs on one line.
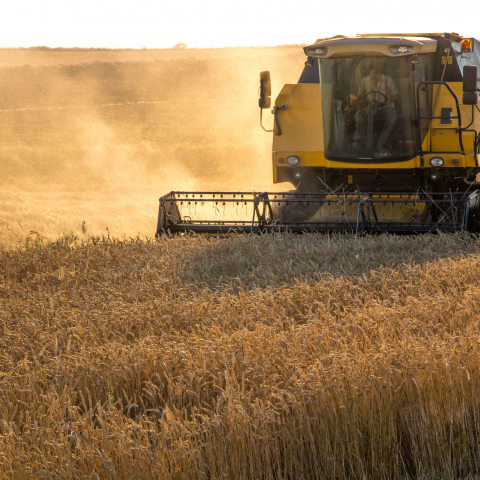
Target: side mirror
[[265, 90], [264, 102], [470, 95], [265, 84]]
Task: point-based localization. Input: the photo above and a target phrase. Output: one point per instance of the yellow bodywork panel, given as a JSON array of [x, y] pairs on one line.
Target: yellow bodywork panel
[[301, 123], [317, 159], [444, 137]]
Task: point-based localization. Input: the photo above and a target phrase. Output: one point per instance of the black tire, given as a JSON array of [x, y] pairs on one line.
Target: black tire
[[473, 220]]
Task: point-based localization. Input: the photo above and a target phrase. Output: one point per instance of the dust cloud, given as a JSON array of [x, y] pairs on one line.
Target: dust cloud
[[98, 136]]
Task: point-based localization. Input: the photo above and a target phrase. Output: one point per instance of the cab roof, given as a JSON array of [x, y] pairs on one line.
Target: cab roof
[[390, 45], [454, 37]]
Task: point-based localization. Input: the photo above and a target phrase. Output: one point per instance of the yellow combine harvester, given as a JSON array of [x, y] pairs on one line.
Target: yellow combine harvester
[[380, 134]]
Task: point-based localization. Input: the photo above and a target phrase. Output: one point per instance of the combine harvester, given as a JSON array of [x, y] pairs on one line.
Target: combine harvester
[[380, 134]]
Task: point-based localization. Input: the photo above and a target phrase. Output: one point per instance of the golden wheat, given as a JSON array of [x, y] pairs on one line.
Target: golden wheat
[[261, 357]]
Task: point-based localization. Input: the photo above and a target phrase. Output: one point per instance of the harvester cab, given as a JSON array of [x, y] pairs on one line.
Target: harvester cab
[[381, 133]]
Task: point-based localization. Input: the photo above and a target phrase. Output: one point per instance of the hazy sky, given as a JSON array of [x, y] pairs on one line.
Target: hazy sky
[[217, 23]]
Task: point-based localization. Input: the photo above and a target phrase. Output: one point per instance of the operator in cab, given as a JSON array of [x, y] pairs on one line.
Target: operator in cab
[[375, 97]]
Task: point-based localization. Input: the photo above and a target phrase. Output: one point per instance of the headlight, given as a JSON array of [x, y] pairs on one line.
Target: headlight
[[434, 162], [401, 49], [293, 160], [317, 52]]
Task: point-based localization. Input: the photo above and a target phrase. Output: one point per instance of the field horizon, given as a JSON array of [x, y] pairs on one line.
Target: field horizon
[[99, 135]]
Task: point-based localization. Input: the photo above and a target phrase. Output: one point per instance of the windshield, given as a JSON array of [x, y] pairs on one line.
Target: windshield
[[368, 106]]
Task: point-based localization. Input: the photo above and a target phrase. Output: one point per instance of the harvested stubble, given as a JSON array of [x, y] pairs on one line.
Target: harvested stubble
[[260, 357]]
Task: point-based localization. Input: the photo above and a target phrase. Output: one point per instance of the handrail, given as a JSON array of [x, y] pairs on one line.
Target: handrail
[[458, 117]]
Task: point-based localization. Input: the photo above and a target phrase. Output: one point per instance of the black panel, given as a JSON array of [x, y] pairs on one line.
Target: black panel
[[310, 74], [446, 114], [314, 179], [452, 72]]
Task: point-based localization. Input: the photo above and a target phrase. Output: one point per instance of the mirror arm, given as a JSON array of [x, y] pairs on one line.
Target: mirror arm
[[261, 110]]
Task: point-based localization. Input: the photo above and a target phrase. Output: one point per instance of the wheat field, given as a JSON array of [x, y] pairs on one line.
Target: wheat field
[[99, 135], [253, 357]]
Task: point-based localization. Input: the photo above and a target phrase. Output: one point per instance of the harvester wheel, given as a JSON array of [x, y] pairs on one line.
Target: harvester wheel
[[473, 220]]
